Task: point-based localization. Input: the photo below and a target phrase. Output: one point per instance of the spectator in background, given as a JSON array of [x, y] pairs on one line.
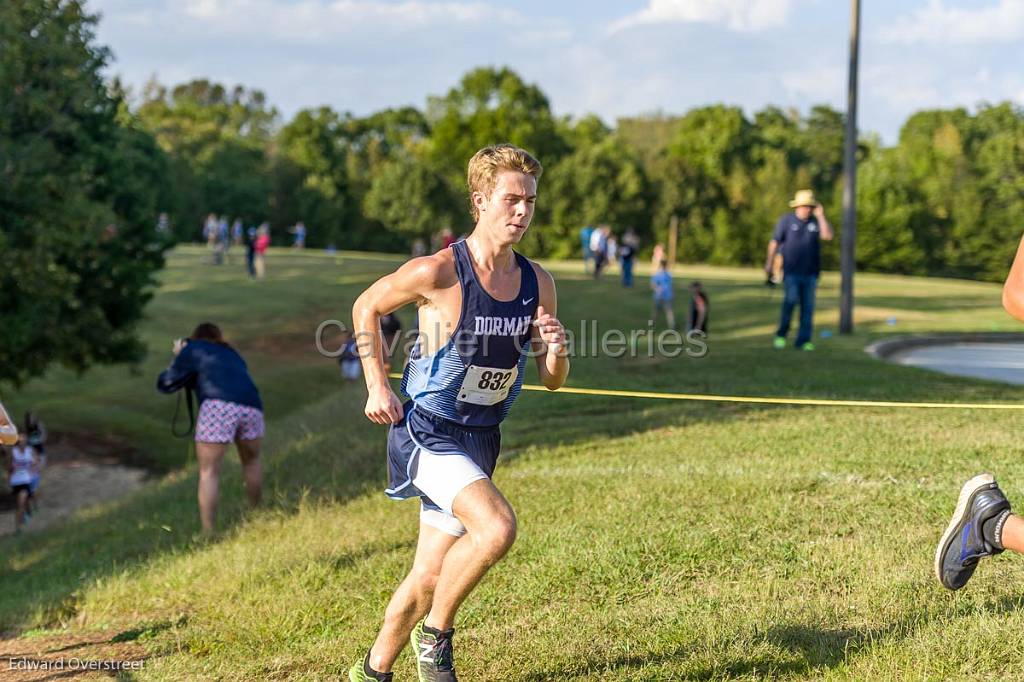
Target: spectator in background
[[611, 248], [35, 434], [698, 308], [447, 237], [230, 410], [250, 251], [236, 232], [163, 224], [419, 247], [390, 327], [658, 255], [797, 235], [349, 361], [627, 255], [260, 250], [661, 283], [599, 248], [300, 235], [220, 240], [22, 467], [210, 233], [588, 256]]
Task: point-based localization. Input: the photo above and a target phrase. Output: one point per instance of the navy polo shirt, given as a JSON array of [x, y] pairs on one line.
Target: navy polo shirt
[[800, 244]]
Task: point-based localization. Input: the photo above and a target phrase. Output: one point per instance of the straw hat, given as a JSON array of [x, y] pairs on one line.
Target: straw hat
[[803, 197]]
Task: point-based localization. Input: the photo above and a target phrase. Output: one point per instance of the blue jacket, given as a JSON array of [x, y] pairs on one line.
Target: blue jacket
[[214, 371]]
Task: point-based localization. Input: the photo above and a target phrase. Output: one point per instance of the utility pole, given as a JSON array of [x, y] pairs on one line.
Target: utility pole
[[849, 238]]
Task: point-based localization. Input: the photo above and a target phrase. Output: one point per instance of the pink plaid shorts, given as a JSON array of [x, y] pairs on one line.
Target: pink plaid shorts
[[223, 422]]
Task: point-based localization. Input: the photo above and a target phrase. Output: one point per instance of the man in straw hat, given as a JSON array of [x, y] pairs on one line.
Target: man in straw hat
[[797, 236]]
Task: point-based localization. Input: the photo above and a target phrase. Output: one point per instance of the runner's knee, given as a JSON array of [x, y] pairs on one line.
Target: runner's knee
[[425, 577], [496, 537]]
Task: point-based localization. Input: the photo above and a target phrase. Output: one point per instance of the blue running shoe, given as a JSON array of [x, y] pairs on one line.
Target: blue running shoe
[[965, 541]]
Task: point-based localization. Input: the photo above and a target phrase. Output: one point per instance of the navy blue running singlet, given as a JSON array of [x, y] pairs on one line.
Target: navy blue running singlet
[[474, 379]]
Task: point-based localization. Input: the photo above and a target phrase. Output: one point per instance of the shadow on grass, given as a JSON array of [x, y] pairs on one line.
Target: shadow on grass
[[811, 649]]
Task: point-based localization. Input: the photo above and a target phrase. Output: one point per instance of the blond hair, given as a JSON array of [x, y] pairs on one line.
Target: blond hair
[[485, 165]]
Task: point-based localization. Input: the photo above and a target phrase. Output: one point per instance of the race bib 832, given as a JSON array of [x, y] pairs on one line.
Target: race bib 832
[[487, 385]]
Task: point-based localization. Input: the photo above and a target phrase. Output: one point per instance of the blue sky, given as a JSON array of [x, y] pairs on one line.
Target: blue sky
[[609, 58]]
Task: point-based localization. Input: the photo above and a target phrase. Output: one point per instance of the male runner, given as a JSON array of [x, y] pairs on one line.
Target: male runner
[[482, 309], [982, 523]]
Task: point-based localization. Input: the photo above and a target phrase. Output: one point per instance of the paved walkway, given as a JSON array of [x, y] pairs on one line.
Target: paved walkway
[[993, 361]]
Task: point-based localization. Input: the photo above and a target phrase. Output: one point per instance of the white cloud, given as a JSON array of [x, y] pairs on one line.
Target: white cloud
[[737, 15], [309, 21], [939, 23]]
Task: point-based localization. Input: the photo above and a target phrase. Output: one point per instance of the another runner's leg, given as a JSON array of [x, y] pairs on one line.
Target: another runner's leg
[[412, 599], [490, 531], [1013, 534]]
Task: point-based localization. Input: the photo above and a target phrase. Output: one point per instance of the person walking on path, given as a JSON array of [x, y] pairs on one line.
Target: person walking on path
[[798, 235], [230, 411], [483, 310]]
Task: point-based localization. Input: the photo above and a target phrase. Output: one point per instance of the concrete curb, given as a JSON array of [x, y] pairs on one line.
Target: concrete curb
[[886, 348]]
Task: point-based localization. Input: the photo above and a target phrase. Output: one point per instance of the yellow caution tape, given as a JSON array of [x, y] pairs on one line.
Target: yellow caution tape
[[768, 400]]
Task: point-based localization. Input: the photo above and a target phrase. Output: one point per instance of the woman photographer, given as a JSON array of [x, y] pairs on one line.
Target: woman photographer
[[230, 410]]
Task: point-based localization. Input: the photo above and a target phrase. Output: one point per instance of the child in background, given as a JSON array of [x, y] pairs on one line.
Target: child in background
[[698, 308], [35, 433], [22, 467], [661, 283]]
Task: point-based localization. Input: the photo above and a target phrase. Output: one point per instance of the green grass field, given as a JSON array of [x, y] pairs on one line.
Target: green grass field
[[659, 540]]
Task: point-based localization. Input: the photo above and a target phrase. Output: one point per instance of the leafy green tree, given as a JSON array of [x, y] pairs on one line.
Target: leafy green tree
[[219, 141], [311, 178], [410, 197], [599, 183], [79, 185], [489, 106]]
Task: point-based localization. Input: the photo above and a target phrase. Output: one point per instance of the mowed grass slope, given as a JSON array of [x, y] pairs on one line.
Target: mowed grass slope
[[659, 540]]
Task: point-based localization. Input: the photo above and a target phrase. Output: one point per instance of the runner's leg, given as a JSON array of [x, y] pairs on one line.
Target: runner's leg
[[413, 597], [1013, 534], [490, 531]]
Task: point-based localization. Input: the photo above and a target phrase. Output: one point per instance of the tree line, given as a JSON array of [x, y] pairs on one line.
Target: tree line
[[946, 199], [86, 167]]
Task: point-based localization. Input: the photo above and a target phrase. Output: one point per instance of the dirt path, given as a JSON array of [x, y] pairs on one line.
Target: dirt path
[[92, 656], [77, 474]]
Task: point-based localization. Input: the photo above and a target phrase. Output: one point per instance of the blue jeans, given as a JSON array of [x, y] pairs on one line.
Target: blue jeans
[[627, 272], [798, 289]]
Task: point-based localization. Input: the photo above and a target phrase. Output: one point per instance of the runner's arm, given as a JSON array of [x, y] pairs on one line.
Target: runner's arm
[[416, 280], [1013, 289], [549, 342]]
